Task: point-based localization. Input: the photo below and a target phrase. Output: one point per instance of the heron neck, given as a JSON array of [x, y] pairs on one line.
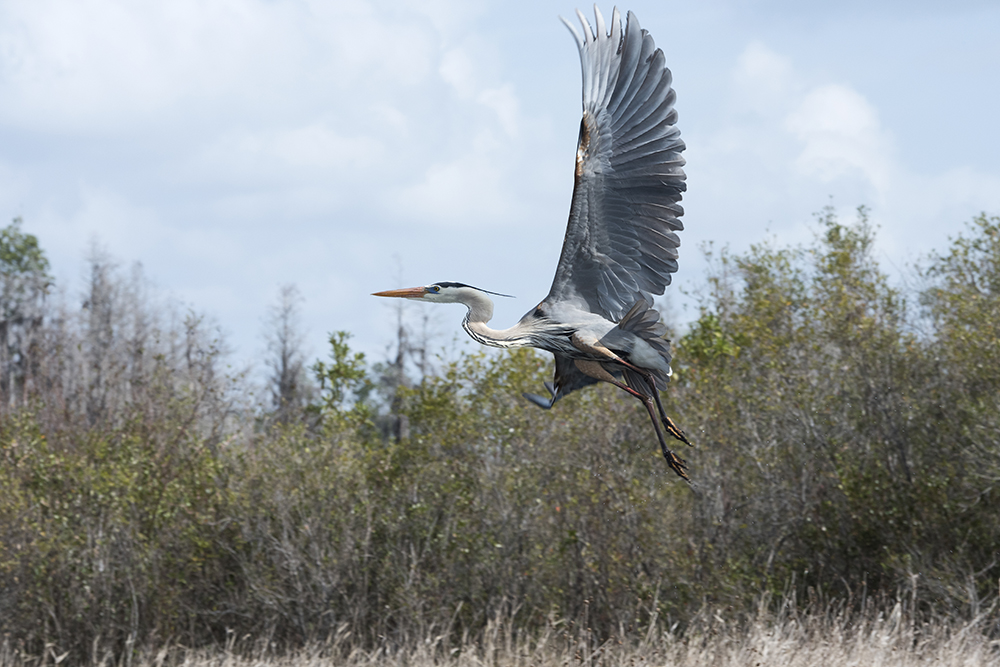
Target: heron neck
[[480, 307], [475, 324]]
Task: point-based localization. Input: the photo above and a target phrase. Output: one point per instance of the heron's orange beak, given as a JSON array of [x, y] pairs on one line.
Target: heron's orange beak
[[408, 293]]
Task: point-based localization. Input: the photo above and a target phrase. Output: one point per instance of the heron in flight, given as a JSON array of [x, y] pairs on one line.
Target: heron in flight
[[621, 243]]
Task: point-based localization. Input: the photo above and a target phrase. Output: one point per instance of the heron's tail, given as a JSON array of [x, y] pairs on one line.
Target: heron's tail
[[644, 321]]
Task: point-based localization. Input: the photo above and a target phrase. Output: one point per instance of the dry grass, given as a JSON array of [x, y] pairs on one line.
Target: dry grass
[[788, 639]]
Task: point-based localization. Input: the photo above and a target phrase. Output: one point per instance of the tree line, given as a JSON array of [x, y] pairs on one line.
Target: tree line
[[847, 445]]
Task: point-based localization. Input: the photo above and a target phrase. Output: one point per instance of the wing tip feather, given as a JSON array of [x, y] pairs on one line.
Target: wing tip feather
[[588, 32], [576, 35], [602, 31]]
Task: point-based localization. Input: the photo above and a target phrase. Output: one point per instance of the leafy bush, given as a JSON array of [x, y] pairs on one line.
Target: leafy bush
[[846, 446], [835, 444]]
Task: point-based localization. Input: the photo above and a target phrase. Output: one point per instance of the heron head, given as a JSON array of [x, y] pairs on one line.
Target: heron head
[[442, 292]]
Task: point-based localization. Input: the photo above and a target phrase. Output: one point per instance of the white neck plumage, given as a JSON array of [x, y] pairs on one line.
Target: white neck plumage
[[480, 312]]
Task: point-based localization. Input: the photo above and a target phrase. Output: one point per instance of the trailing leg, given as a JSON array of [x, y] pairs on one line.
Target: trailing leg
[[667, 422], [596, 347], [596, 370]]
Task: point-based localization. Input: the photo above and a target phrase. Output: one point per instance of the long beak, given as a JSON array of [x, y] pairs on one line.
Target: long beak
[[408, 293]]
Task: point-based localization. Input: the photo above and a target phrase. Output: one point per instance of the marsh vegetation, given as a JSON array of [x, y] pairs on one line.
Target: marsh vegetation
[[844, 507]]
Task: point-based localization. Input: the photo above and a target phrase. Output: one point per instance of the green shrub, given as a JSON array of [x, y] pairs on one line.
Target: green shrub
[[845, 444]]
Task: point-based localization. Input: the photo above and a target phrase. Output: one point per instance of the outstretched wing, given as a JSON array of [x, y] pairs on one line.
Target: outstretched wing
[[621, 241]]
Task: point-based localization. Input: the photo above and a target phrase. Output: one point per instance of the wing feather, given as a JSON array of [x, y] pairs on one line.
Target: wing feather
[[568, 379], [621, 241]]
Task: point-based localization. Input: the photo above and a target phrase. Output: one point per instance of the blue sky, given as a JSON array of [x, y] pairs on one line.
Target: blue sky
[[232, 146]]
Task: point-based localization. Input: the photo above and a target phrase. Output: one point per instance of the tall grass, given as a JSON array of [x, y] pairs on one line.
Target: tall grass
[[780, 635]]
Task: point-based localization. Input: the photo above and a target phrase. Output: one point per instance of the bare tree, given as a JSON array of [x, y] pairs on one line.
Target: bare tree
[[122, 352], [288, 382], [408, 363], [99, 322]]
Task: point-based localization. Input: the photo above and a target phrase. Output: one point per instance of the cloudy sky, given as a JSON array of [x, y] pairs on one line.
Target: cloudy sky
[[232, 146]]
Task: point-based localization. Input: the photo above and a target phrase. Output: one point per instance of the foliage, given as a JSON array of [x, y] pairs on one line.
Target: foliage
[[24, 283], [289, 384], [831, 450], [110, 535], [344, 384], [964, 303], [841, 451]]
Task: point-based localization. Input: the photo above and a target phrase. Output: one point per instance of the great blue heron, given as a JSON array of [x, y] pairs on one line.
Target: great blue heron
[[620, 246]]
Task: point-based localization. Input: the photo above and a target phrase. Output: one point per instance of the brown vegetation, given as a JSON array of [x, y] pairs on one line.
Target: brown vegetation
[[785, 637], [847, 448]]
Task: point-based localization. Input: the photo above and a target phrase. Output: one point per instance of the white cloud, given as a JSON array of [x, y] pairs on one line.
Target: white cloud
[[292, 156], [458, 71], [841, 134], [474, 177], [466, 78], [468, 190], [786, 143], [129, 230], [503, 102], [790, 142], [318, 146], [762, 78], [101, 64]]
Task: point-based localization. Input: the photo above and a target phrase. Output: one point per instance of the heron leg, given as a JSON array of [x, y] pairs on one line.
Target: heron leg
[[595, 347], [668, 423], [595, 370], [676, 463]]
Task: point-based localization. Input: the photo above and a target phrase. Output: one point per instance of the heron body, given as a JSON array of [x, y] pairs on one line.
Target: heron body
[[620, 247]]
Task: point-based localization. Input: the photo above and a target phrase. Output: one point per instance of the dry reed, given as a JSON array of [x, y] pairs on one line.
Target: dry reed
[[789, 637]]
